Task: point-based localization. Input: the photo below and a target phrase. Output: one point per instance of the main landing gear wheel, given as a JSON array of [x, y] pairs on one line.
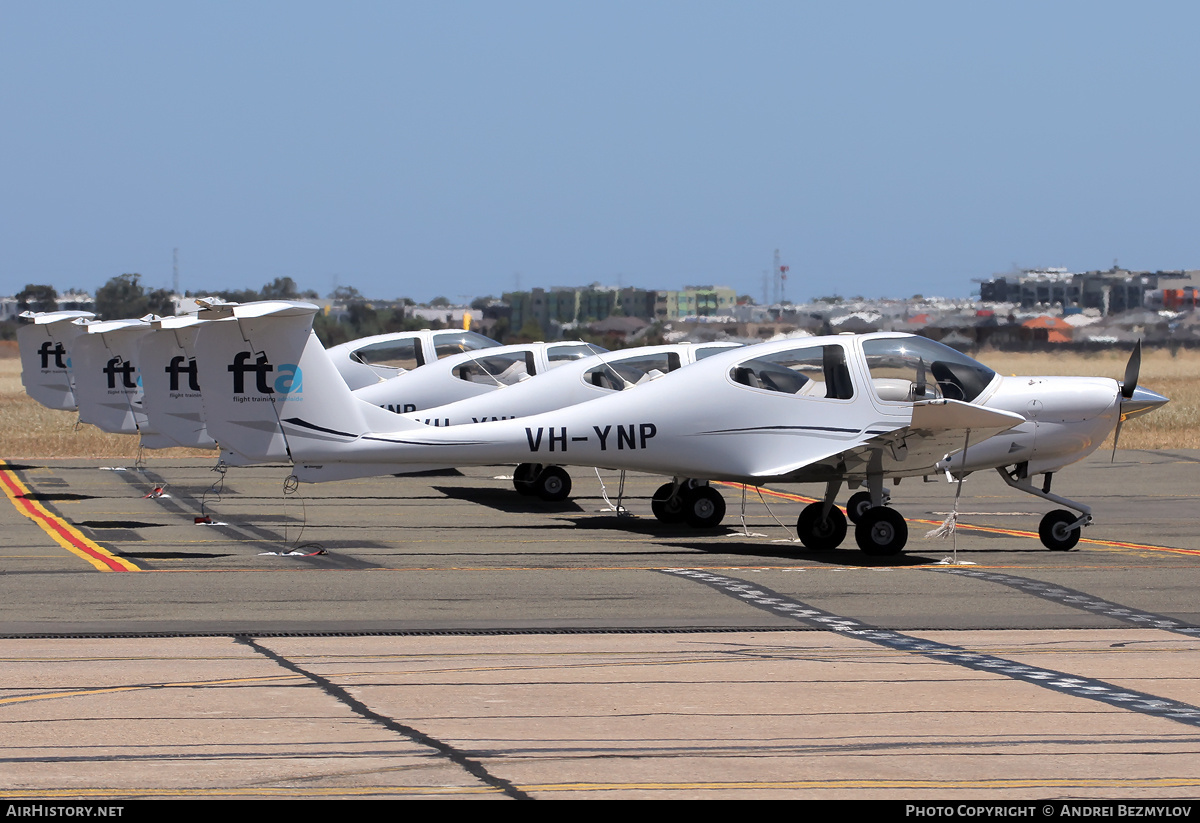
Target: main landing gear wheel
[[1056, 532], [881, 531], [703, 507], [553, 484], [821, 533], [666, 504], [524, 476], [857, 506]]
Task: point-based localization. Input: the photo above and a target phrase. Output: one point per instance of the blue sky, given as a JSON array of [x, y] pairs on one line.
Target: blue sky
[[462, 148]]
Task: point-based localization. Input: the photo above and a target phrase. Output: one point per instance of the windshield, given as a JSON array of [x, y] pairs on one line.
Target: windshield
[[627, 372], [396, 354], [563, 353], [457, 342], [497, 369], [916, 368]]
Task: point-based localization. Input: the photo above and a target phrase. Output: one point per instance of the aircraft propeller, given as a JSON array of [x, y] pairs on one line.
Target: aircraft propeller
[[1132, 369], [1135, 400]]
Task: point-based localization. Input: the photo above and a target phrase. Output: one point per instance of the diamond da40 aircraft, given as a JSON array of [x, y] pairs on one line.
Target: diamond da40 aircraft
[[808, 410]]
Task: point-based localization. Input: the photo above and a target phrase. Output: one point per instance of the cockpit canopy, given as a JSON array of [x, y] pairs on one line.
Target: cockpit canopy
[[902, 370], [916, 368], [406, 353], [510, 367]]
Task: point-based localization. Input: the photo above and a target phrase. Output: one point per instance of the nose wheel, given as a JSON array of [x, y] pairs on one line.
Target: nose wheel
[[1059, 530]]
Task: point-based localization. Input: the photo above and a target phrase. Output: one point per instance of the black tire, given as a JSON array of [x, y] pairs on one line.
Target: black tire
[[666, 505], [857, 506], [703, 507], [524, 476], [881, 531], [553, 484], [821, 533], [1055, 532]]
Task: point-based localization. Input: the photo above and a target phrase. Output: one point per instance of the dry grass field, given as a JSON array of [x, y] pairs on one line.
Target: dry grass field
[[30, 431]]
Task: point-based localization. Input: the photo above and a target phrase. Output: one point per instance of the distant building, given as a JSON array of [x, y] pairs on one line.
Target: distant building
[[1112, 291], [561, 305], [451, 316], [694, 301]]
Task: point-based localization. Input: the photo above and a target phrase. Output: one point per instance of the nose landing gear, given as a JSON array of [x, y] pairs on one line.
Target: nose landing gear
[[1060, 529]]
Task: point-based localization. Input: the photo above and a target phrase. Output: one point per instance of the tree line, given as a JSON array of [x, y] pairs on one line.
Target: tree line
[[124, 296]]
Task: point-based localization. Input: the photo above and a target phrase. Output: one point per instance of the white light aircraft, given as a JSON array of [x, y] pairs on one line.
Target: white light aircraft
[[792, 410]]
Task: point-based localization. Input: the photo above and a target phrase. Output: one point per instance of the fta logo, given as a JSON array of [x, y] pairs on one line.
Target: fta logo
[[56, 351], [124, 368], [176, 368], [288, 379]]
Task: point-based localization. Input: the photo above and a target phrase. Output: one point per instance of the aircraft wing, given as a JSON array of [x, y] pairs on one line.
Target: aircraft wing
[[937, 428]]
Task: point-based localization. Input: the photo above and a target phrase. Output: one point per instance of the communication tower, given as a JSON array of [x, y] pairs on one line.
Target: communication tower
[[780, 280]]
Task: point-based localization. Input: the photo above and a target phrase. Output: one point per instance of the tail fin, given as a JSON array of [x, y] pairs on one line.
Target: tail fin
[[45, 345], [107, 384], [170, 382], [268, 367], [242, 382]]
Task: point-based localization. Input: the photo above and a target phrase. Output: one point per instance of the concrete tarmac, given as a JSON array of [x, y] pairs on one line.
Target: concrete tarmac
[[445, 637]]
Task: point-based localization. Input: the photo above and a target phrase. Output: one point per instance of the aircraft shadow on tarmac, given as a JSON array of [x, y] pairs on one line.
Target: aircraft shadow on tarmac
[[118, 524], [797, 551], [55, 497], [136, 555], [506, 500], [675, 535]]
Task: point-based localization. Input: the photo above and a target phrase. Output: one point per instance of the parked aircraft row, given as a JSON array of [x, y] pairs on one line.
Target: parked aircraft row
[[844, 411]]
